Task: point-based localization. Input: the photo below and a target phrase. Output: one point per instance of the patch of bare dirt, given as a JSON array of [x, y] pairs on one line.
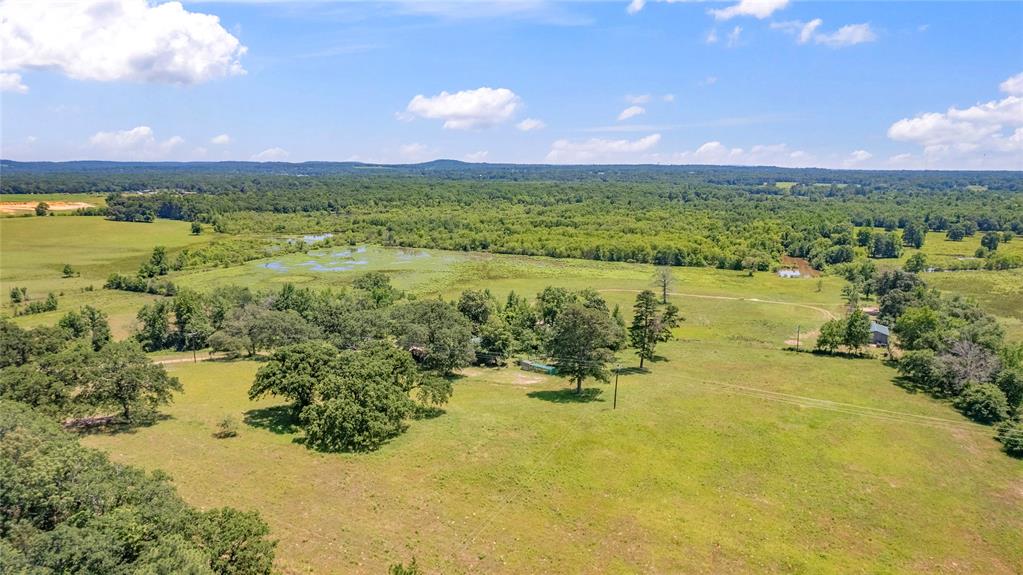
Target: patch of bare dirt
[[525, 378], [25, 207], [800, 264]]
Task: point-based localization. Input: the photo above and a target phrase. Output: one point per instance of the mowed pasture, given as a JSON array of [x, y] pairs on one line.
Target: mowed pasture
[[943, 252], [34, 251], [731, 455]]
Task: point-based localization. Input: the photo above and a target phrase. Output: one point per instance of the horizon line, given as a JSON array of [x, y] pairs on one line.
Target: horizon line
[[497, 164]]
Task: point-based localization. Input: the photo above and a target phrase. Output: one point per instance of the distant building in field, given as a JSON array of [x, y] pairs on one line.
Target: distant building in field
[[879, 334], [789, 273], [529, 365]]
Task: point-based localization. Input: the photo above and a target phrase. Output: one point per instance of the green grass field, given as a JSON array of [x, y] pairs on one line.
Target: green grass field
[[944, 252], [34, 251], [94, 199], [1000, 293], [731, 455]]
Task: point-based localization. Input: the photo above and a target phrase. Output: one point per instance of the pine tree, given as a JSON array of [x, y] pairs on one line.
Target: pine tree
[[650, 325]]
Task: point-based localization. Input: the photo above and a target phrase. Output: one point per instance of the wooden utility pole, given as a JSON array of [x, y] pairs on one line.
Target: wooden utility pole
[[614, 404]]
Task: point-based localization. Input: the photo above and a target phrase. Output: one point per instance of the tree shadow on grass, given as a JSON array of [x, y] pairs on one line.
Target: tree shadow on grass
[[279, 419], [910, 386], [427, 412], [843, 354], [568, 395], [112, 426], [633, 370]]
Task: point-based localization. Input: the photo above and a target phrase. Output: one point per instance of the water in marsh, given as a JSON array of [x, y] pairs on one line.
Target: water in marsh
[[358, 258]]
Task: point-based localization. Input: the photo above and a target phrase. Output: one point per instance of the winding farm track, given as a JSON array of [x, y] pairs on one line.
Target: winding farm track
[[827, 313], [182, 360]]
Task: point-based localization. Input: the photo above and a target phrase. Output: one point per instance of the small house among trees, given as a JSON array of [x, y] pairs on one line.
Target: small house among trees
[[878, 334]]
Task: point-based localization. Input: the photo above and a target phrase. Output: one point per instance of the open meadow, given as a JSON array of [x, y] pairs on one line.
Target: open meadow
[[35, 250], [511, 287], [730, 454]]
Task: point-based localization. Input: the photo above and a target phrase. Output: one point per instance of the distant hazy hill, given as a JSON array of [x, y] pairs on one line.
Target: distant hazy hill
[[31, 176]]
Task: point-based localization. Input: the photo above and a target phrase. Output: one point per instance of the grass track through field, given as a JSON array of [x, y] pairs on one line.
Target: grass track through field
[[849, 408], [828, 314]]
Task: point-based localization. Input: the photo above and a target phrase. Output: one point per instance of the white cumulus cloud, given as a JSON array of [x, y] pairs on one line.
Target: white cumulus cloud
[[637, 98], [10, 82], [530, 124], [734, 37], [1013, 86], [138, 143], [982, 135], [467, 109], [807, 32], [848, 35], [274, 154], [598, 150], [716, 153], [110, 40], [756, 8], [221, 139], [856, 158], [631, 112], [416, 152], [635, 6]]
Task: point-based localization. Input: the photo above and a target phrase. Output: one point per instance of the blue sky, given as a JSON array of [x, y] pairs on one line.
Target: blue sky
[[834, 84]]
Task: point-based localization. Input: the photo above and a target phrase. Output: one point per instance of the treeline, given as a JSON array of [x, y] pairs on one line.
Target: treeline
[[68, 509], [234, 251], [359, 364], [676, 223], [955, 350], [19, 296], [699, 216], [74, 372], [949, 346], [477, 328], [98, 176]]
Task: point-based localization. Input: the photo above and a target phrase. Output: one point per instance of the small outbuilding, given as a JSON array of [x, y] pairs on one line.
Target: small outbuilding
[[789, 273], [879, 334], [529, 365]]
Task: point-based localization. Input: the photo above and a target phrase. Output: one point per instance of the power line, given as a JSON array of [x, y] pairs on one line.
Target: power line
[[835, 406]]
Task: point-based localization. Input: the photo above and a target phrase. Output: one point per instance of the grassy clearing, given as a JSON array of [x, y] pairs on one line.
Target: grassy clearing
[[1000, 293], [433, 272], [714, 470], [36, 249], [94, 199], [944, 252], [731, 456]]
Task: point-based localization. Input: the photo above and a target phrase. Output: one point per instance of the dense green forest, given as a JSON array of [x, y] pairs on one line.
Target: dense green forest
[[726, 217]]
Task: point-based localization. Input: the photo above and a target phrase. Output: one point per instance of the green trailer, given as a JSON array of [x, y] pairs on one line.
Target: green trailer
[[530, 365]]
